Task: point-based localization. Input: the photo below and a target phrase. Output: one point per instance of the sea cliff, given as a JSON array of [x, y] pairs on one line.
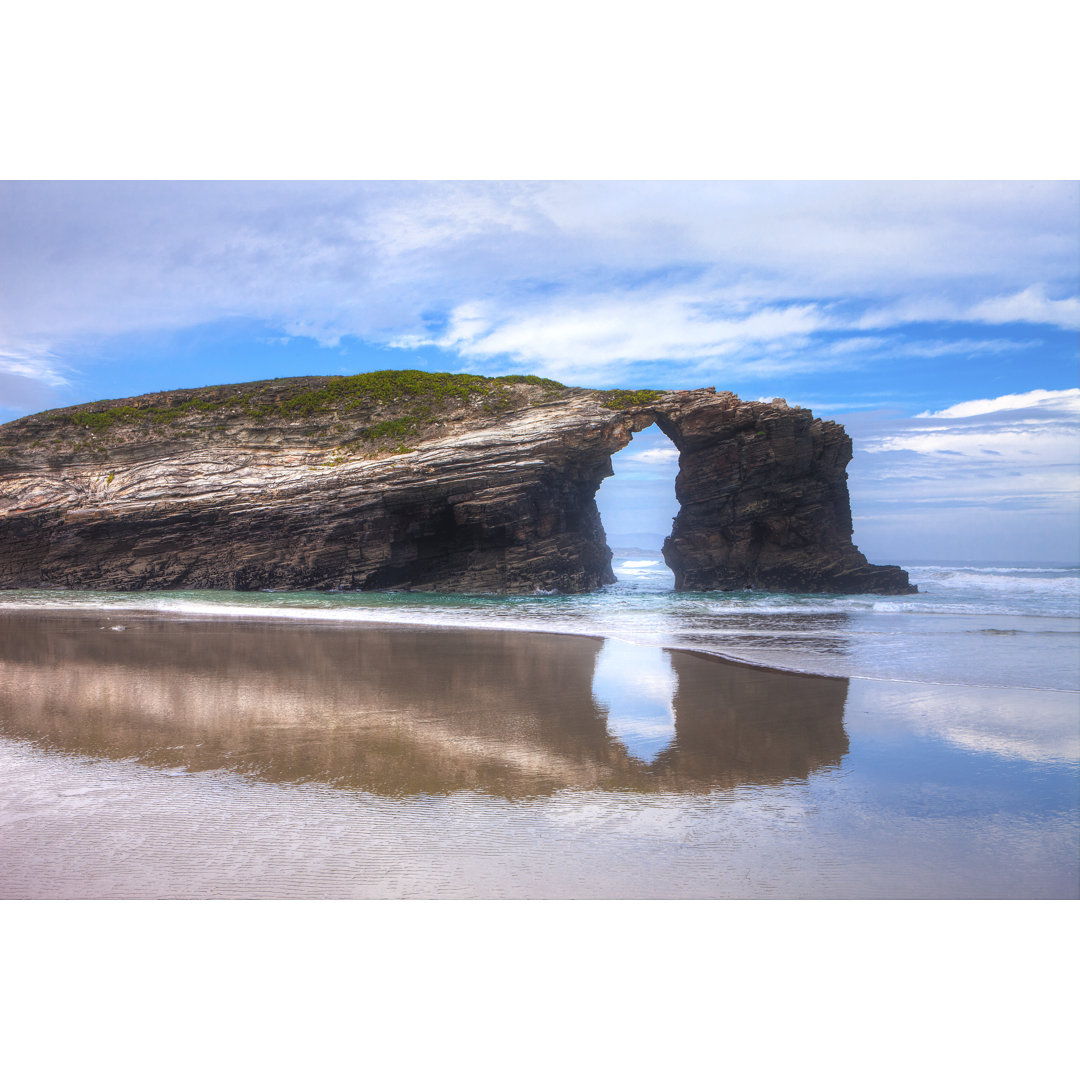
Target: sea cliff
[[412, 480]]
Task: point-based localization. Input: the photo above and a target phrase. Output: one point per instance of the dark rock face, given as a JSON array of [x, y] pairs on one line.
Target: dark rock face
[[763, 500], [243, 488], [508, 508]]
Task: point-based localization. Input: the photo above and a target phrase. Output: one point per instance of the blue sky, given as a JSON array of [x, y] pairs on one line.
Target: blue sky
[[937, 321]]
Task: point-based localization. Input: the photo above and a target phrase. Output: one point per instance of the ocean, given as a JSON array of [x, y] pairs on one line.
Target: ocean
[[201, 744], [973, 625]]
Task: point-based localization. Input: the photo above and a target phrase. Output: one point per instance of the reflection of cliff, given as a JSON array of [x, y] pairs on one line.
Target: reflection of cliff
[[392, 710], [739, 725]]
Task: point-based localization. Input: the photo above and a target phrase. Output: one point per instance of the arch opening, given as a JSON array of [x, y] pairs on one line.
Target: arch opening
[[637, 505]]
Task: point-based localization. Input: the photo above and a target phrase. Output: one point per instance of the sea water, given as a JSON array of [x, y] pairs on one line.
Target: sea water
[[975, 625], [272, 744]]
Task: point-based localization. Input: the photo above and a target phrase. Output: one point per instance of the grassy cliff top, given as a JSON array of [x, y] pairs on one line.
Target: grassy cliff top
[[374, 413]]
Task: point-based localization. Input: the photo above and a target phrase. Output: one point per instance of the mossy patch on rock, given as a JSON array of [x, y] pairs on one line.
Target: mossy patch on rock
[[628, 399]]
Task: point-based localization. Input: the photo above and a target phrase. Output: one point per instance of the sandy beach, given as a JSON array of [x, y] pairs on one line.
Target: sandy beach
[[152, 755]]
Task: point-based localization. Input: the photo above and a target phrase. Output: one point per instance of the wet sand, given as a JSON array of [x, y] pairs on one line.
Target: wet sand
[[184, 757]]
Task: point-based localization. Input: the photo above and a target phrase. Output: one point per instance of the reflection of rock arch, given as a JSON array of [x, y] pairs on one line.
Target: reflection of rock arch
[[394, 710]]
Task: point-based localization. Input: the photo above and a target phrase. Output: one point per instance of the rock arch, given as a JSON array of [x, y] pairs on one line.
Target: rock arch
[[226, 488]]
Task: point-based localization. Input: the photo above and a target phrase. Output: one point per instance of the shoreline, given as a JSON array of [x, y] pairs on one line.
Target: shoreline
[[280, 617], [361, 617]]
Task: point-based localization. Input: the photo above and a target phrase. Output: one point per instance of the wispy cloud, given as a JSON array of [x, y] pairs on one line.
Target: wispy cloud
[[980, 474], [1065, 403], [660, 455], [1029, 305], [575, 279], [33, 363], [933, 348], [1018, 444], [29, 378], [599, 333], [979, 479]]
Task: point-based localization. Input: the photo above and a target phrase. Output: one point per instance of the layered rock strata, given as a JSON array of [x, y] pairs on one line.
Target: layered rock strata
[[413, 481], [763, 499]]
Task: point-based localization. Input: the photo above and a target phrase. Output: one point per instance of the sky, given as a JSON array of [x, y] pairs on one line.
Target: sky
[[936, 320]]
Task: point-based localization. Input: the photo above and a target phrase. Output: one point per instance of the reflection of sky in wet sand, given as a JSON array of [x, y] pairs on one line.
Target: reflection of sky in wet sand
[[1039, 727], [635, 686]]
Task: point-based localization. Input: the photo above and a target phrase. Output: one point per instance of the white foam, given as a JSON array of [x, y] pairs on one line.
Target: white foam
[[999, 569]]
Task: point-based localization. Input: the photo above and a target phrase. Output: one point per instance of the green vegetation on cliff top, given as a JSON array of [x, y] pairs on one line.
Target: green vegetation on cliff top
[[336, 394], [425, 392], [379, 407], [627, 399]]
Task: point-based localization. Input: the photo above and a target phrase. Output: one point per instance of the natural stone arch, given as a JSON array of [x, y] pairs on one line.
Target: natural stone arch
[[273, 486]]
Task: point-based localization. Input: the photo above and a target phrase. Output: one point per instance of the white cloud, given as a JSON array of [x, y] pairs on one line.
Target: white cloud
[[981, 477], [933, 348], [857, 344], [906, 311], [574, 278], [1030, 305], [658, 456], [1066, 402], [1016, 446], [1053, 444], [30, 363], [595, 332], [450, 214], [838, 238], [29, 379], [26, 389]]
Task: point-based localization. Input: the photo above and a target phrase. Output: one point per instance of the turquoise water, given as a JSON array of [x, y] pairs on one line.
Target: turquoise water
[[969, 625]]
